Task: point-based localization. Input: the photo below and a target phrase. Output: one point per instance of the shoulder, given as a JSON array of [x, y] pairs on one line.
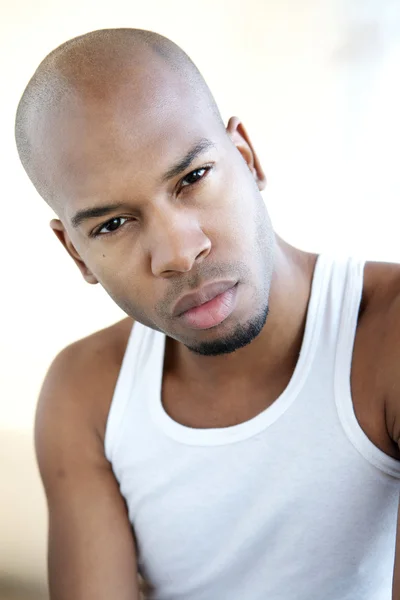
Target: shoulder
[[380, 304], [81, 379], [381, 283], [381, 294], [381, 321]]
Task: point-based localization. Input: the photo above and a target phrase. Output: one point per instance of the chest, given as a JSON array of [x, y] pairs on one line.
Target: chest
[[193, 408], [207, 516]]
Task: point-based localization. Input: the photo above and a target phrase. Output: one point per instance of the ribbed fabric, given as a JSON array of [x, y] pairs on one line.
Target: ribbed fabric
[[295, 504]]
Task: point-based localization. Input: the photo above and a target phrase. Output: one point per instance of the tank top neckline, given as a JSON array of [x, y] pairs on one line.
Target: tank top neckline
[[236, 433]]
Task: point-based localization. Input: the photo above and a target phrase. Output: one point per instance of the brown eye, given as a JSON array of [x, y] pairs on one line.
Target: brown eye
[[194, 176], [111, 226]]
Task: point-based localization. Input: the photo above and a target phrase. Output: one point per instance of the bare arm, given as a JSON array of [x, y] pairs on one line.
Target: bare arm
[[91, 548]]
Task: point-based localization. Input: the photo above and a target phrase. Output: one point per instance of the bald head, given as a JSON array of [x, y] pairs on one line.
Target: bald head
[[84, 83], [155, 197]]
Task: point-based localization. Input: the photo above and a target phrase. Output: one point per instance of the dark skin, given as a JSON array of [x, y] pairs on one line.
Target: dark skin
[[171, 242], [175, 242]]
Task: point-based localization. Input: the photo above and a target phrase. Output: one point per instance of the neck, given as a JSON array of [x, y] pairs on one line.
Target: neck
[[274, 352]]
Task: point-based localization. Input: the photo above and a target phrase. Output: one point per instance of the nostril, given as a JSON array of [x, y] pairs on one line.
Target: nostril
[[204, 253]]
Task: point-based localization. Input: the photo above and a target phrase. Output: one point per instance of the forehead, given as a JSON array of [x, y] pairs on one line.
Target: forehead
[[136, 130]]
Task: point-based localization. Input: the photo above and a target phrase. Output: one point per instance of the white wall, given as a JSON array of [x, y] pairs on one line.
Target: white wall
[[317, 85]]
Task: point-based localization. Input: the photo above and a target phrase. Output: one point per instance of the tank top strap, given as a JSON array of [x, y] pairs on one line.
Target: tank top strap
[[135, 356], [353, 288]]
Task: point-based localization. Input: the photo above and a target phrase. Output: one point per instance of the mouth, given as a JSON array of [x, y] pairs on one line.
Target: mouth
[[203, 295], [210, 312]]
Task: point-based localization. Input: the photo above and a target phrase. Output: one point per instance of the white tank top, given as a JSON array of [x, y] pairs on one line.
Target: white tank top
[[295, 504]]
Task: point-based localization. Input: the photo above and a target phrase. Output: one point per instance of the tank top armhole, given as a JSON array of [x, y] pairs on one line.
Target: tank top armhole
[[343, 394], [122, 394]]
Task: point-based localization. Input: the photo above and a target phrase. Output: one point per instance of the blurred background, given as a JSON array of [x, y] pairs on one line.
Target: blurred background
[[316, 84]]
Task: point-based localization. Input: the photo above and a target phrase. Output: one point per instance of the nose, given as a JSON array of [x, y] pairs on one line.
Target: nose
[[177, 242]]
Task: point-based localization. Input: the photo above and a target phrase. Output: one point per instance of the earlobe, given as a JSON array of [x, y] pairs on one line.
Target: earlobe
[[241, 140], [62, 235]]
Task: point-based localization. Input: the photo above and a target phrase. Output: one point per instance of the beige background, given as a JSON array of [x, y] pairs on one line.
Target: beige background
[[317, 85]]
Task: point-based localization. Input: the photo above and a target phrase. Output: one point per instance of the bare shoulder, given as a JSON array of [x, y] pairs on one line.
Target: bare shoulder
[[381, 296], [91, 543], [380, 313], [83, 375], [381, 283]]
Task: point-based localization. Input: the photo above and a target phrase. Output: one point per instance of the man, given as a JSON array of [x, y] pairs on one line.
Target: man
[[236, 436]]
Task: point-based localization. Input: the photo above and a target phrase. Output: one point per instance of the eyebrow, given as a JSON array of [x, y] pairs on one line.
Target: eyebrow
[[92, 213], [100, 211], [200, 147]]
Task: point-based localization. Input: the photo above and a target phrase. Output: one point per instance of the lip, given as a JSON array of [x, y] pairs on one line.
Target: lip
[[205, 294]]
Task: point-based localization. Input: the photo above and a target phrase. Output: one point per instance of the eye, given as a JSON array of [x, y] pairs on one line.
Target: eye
[[194, 176], [110, 227]]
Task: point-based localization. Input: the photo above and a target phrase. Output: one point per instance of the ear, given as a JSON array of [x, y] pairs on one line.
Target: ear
[[63, 236], [240, 138]]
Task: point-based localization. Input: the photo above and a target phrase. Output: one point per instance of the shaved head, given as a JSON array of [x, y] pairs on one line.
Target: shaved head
[[120, 134], [95, 66]]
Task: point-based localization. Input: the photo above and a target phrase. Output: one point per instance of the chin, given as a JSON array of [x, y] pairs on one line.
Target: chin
[[242, 335]]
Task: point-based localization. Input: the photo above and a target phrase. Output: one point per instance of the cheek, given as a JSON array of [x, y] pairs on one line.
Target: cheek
[[125, 292], [230, 202], [114, 263], [118, 277], [126, 283], [238, 218]]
